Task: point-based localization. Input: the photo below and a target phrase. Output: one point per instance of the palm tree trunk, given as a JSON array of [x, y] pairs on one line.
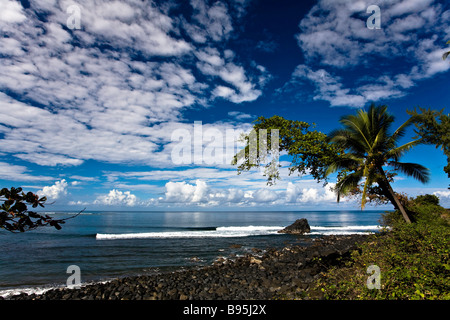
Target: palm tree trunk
[[389, 192]]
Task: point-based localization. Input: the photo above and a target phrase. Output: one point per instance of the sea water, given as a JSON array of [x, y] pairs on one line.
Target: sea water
[[106, 244]]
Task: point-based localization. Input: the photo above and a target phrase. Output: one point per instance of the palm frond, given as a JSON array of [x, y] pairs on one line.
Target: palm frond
[[338, 136], [414, 170], [346, 161], [348, 140], [399, 133], [358, 126], [379, 142], [446, 54], [397, 152], [347, 183]]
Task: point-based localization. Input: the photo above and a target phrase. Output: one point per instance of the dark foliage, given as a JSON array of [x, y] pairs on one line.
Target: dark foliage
[[15, 216]]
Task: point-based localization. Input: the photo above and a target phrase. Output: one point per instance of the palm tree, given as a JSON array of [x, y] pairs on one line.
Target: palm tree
[[369, 146]]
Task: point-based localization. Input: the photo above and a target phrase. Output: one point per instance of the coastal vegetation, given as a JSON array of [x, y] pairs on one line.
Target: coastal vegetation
[[413, 259]]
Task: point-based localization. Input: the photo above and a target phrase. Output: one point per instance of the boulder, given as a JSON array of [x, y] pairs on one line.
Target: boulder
[[300, 226]]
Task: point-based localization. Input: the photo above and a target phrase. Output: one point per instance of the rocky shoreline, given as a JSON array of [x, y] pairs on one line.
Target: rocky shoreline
[[285, 273]]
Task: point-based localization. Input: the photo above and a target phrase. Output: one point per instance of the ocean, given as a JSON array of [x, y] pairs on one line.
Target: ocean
[[107, 244]]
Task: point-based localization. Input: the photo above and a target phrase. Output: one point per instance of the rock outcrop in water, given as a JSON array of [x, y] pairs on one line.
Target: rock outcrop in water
[[300, 226]]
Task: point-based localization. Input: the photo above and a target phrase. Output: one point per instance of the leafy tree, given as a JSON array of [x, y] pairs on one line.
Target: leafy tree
[[15, 216], [427, 199], [358, 152], [310, 151], [433, 127]]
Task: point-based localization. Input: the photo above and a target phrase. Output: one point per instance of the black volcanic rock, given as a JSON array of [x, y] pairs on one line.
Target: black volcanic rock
[[300, 226]]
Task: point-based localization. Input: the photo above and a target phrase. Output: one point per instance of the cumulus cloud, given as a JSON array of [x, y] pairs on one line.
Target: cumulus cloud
[[117, 197], [299, 194], [55, 191], [199, 193], [183, 192], [442, 194]]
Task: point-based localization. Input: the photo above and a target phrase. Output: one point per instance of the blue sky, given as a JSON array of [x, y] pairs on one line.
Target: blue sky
[[97, 97]]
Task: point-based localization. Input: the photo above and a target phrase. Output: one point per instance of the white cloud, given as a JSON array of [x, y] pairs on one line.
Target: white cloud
[[19, 173], [212, 21], [55, 191], [409, 6], [218, 21], [83, 178], [334, 35], [200, 193], [328, 87], [117, 197], [183, 192], [11, 12], [297, 194], [240, 115], [291, 193], [237, 86], [336, 32], [264, 195], [78, 203], [71, 99], [133, 25], [443, 194]]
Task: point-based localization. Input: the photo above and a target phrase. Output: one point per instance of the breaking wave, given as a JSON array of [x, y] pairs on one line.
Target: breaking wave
[[339, 230], [218, 232], [238, 231]]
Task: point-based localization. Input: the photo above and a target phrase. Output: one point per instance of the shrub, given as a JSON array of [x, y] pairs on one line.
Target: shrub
[[422, 209], [413, 260]]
